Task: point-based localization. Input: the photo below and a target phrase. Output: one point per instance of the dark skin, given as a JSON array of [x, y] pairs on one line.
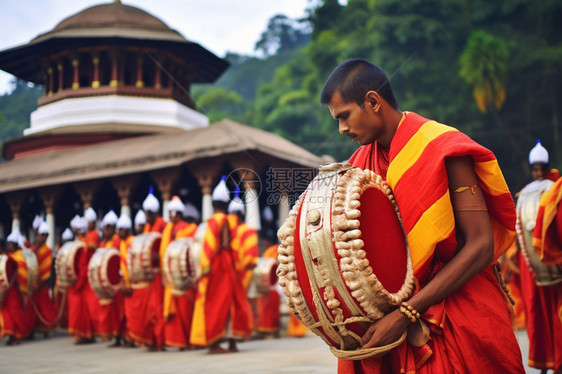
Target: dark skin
[[376, 120]]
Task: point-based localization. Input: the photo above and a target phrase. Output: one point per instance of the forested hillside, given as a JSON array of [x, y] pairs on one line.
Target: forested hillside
[[491, 69]]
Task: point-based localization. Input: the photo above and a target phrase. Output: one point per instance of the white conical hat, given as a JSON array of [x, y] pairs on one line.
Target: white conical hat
[[538, 154], [67, 235], [14, 237], [43, 228], [140, 218], [176, 205], [124, 222], [236, 205], [90, 215], [220, 193], [74, 222], [267, 214], [150, 203], [82, 224], [109, 219], [191, 211], [36, 222]]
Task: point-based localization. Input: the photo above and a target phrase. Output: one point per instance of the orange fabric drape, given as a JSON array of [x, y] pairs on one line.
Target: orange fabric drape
[[40, 297], [269, 313], [178, 309], [220, 296], [464, 337], [245, 250]]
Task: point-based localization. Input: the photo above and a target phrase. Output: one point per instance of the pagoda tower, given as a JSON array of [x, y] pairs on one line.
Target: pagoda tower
[[108, 72]]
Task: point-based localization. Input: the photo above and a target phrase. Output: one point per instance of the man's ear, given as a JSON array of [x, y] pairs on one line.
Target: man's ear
[[373, 100]]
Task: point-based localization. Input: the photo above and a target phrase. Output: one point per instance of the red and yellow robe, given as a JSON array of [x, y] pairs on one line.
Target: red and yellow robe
[[80, 299], [40, 296], [110, 311], [244, 244], [221, 299], [146, 324], [16, 314], [124, 245], [544, 303], [178, 306], [512, 276], [464, 338], [92, 243], [269, 313]]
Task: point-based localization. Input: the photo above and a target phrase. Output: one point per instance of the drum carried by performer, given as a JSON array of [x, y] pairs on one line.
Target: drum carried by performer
[[104, 272], [143, 259], [343, 267], [527, 209], [67, 262], [264, 277], [8, 273], [180, 265]]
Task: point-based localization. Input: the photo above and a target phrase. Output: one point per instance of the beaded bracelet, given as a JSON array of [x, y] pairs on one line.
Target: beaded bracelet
[[409, 312]]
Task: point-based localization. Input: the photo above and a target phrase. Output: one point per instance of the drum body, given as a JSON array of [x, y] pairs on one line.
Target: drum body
[[67, 262], [32, 269], [264, 276], [104, 272], [8, 269], [527, 209], [180, 265], [143, 257], [344, 259]]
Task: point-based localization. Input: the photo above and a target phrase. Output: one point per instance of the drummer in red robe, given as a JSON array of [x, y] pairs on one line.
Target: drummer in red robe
[[459, 218], [178, 305], [111, 314], [45, 314], [542, 301], [124, 227], [80, 297], [92, 241], [221, 307], [15, 314], [146, 325]]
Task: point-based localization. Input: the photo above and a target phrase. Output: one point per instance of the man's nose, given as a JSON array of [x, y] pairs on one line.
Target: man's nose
[[343, 127]]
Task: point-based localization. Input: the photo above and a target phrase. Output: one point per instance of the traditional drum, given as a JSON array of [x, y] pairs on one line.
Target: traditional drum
[[180, 265], [67, 262], [527, 209], [104, 272], [143, 259], [32, 269], [344, 259], [264, 276], [8, 269]]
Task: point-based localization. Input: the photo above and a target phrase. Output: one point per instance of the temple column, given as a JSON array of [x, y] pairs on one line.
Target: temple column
[[87, 190], [49, 196], [61, 76], [157, 75], [140, 82], [249, 179], [50, 83], [251, 199], [124, 185], [206, 178], [165, 180], [114, 82], [96, 62], [15, 202], [284, 207], [75, 77]]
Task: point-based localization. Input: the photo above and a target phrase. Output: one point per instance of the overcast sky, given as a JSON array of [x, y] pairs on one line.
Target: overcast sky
[[218, 25]]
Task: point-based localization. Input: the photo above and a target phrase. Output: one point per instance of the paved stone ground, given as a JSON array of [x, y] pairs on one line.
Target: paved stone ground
[[286, 355]]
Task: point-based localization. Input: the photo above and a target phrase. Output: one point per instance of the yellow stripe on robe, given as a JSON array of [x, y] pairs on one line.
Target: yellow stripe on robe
[[432, 227], [411, 152]]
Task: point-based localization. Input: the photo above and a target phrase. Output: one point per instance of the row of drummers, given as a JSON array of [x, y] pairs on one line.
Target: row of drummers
[[142, 290]]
